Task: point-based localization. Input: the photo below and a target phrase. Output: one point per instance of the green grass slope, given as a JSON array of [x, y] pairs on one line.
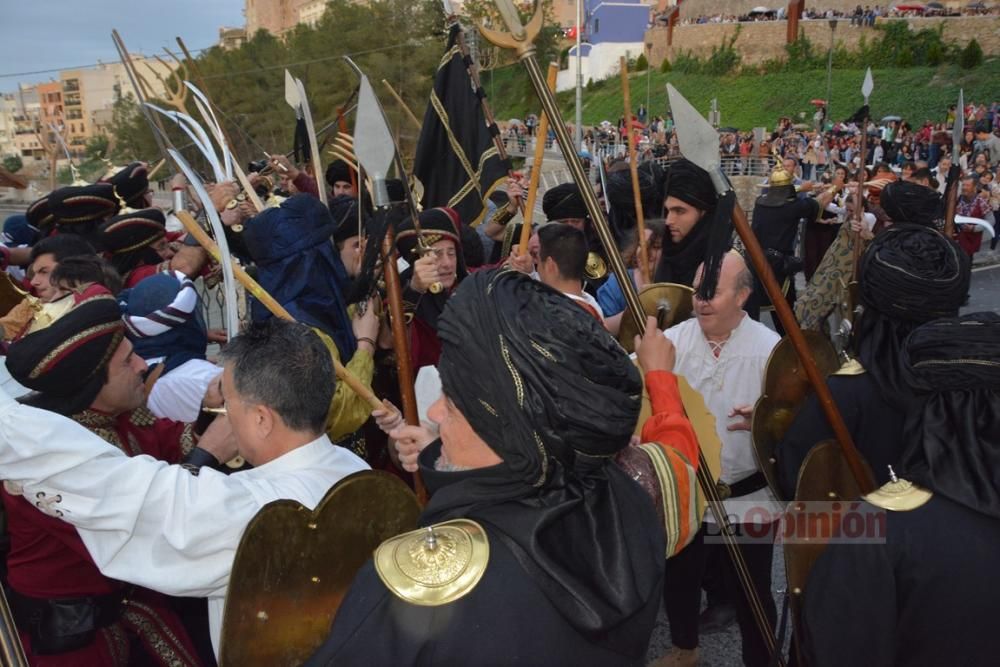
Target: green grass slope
[[751, 100]]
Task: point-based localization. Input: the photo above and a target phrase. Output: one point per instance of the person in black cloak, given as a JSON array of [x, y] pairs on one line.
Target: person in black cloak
[[941, 521], [909, 275], [546, 542]]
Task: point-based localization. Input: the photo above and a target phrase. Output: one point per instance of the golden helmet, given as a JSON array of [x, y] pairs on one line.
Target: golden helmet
[[779, 177]]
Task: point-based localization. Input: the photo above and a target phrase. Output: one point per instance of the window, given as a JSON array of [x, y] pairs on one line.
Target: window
[[597, 26]]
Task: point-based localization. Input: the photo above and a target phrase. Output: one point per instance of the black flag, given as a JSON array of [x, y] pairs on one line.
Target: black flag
[[457, 161]]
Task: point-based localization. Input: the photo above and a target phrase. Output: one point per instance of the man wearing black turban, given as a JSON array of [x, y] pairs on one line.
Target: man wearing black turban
[[908, 202], [537, 549], [688, 206], [909, 275], [941, 521]]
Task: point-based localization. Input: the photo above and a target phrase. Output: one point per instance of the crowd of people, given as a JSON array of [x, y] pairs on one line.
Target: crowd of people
[[861, 16], [566, 479]]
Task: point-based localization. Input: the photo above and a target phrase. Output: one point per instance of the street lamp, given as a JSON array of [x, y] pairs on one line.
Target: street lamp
[[829, 68], [579, 77]]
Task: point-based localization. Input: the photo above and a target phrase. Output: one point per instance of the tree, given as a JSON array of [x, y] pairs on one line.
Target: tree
[[665, 66], [971, 56], [641, 64], [13, 163], [97, 147], [398, 40]]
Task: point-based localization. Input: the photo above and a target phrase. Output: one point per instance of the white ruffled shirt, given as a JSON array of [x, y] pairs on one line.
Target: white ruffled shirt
[[732, 379], [147, 522]]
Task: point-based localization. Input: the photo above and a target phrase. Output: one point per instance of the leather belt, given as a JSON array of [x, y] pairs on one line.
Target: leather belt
[[744, 487]]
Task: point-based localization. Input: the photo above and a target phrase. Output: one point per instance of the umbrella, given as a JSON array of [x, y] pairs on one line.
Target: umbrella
[[760, 10], [886, 119], [515, 121], [935, 5], [728, 129], [818, 102], [801, 126], [910, 7]]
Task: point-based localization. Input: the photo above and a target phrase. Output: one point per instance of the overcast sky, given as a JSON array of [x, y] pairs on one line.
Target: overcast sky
[[64, 34]]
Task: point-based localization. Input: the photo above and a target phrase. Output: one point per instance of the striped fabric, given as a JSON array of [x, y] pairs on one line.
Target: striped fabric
[[683, 503]]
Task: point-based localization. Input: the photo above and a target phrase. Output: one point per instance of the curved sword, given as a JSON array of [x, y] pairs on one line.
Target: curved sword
[[197, 135], [219, 230], [205, 108]]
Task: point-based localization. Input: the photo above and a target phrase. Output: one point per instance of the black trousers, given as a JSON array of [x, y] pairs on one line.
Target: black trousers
[[682, 588]]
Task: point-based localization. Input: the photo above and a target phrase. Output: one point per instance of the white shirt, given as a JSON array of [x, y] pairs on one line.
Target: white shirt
[[144, 521], [587, 298], [179, 394], [734, 378]]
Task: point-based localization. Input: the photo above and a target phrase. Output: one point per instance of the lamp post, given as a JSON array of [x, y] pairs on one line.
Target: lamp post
[[578, 135], [829, 69]]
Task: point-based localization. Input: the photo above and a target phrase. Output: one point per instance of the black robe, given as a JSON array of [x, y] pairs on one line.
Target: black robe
[[929, 595], [875, 426], [505, 620]]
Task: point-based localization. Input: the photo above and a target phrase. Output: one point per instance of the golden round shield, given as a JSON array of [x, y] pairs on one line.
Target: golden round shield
[[11, 294], [669, 303], [786, 386], [294, 566]]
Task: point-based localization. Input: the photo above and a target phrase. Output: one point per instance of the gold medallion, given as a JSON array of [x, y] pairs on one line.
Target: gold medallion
[[434, 565]]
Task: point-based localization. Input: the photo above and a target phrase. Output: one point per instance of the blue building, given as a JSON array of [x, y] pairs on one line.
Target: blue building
[[612, 30]]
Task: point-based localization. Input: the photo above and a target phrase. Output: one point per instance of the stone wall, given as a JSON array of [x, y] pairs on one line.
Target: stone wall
[[762, 41]]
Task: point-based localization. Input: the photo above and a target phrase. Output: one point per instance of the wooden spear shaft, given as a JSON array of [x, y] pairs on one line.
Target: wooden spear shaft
[[633, 165], [402, 105], [536, 166], [859, 200], [269, 302], [763, 269], [404, 364]]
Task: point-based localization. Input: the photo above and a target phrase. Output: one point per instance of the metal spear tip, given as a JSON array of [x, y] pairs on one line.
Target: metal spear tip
[[868, 86], [698, 140], [373, 144], [292, 91]]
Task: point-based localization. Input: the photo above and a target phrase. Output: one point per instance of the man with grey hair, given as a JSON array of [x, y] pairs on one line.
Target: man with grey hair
[[723, 353], [160, 526]]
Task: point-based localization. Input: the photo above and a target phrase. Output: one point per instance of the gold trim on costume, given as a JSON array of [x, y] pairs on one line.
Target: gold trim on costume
[[435, 565]]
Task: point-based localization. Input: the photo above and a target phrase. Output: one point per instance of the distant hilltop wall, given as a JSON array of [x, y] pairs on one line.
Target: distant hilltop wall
[[761, 41], [691, 9]]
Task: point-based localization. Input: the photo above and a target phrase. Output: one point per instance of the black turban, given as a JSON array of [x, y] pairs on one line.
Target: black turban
[[618, 191], [132, 183], [77, 206], [128, 238], [907, 202], [708, 241], [338, 172], [66, 362], [691, 184], [344, 210], [564, 202], [953, 431], [908, 275], [915, 274], [555, 396], [40, 215]]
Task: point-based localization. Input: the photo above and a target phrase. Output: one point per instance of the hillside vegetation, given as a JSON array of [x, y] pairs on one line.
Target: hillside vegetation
[[750, 100]]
